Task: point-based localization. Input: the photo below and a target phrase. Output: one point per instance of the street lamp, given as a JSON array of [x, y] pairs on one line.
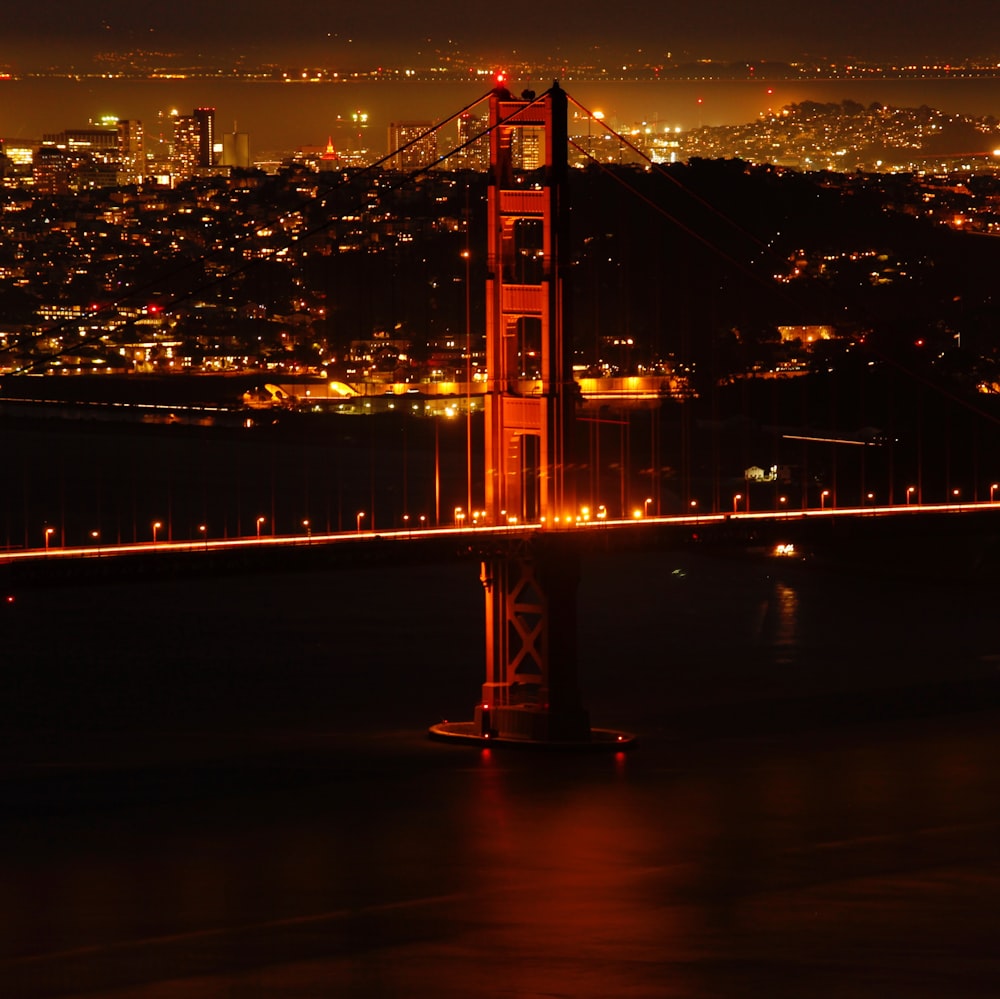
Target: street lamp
[[203, 528], [823, 497], [956, 495], [910, 490], [694, 509], [736, 501], [783, 503], [260, 520], [96, 538], [49, 531], [645, 505], [993, 490], [459, 516], [156, 526], [358, 519], [306, 525]]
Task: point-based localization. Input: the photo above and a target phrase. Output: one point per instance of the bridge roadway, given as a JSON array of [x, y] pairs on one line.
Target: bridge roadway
[[968, 534]]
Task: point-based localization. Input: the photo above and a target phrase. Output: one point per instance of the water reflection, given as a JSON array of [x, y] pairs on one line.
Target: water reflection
[[778, 627], [726, 856], [862, 854]]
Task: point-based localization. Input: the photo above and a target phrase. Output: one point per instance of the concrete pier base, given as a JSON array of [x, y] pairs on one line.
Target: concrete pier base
[[471, 733]]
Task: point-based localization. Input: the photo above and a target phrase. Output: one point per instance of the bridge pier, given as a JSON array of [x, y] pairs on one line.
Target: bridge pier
[[531, 691], [531, 696]]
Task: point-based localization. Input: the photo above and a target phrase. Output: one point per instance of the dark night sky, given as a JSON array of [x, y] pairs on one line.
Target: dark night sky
[[399, 29]]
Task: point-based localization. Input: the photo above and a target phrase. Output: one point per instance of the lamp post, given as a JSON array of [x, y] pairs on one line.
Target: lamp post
[[260, 520], [736, 501], [783, 504], [308, 527], [694, 509], [96, 538], [910, 490], [956, 495], [49, 531], [994, 486], [203, 530], [156, 526], [467, 257], [823, 497], [360, 517], [645, 505]]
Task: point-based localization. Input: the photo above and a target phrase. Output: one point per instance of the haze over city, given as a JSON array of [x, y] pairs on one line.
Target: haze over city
[[394, 30]]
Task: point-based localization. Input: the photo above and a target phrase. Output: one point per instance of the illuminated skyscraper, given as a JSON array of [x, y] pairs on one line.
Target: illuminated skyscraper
[[51, 171], [131, 151], [184, 153], [475, 152], [194, 141], [206, 136], [532, 148], [420, 142]]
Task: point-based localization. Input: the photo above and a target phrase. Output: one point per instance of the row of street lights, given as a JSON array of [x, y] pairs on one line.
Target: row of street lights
[[460, 514]]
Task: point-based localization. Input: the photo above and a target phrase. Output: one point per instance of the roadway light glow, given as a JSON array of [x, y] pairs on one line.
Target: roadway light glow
[[156, 526], [360, 517]]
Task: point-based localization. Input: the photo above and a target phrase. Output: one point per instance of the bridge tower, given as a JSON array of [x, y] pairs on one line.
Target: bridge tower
[[529, 396], [530, 580]]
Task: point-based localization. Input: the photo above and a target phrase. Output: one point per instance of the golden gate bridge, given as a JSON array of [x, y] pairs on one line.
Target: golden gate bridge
[[536, 514]]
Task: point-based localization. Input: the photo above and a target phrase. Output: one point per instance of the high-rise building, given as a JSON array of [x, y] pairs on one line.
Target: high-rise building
[[90, 155], [184, 153], [412, 145], [51, 170], [131, 151], [474, 143], [194, 142], [206, 136], [532, 148], [236, 150]]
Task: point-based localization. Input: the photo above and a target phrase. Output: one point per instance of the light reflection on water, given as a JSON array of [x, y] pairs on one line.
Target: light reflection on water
[[824, 855], [686, 869]]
